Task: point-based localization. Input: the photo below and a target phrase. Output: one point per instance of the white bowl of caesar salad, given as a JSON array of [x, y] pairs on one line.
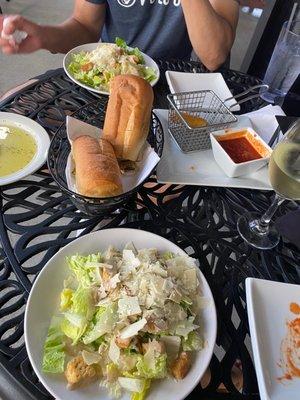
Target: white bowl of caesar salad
[[110, 319], [93, 65]]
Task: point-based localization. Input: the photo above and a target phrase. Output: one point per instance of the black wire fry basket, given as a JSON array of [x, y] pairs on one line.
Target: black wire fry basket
[[207, 107]]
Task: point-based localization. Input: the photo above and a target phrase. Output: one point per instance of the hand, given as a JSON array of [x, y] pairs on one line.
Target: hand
[[33, 41]]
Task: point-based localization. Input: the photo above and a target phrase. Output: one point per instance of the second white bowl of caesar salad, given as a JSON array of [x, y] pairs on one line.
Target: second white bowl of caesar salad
[[93, 65]]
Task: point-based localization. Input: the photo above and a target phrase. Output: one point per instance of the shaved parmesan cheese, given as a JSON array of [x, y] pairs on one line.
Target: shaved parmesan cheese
[[91, 358], [172, 344], [95, 274], [133, 329], [101, 292], [158, 270], [183, 328], [150, 298], [112, 255], [177, 266], [130, 259], [103, 302], [114, 351], [150, 356], [94, 264], [112, 283], [148, 255], [132, 384], [131, 246], [189, 279], [157, 284], [168, 285], [175, 296], [102, 349], [128, 306]]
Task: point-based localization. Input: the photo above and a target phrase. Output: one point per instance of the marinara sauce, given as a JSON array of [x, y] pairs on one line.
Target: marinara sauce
[[240, 147]]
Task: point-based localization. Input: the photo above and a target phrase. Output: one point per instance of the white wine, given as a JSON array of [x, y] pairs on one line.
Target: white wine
[[284, 173], [284, 169]]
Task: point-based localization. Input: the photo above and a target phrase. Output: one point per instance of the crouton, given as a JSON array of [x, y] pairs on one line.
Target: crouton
[[151, 327], [105, 274], [79, 374], [87, 67], [122, 343], [180, 367]]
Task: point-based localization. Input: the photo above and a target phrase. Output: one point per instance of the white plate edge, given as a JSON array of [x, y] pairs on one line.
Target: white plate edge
[[179, 182], [250, 282]]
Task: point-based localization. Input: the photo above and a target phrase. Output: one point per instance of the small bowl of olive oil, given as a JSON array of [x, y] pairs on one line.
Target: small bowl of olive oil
[[17, 149], [23, 147]]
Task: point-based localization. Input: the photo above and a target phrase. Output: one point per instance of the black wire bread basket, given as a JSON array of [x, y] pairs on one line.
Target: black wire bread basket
[[94, 114]]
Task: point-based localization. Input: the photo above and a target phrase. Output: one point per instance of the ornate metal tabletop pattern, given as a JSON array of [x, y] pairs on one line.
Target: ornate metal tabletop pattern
[[37, 219]]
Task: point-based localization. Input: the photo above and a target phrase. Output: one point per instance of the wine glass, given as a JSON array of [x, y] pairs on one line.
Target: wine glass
[[284, 173]]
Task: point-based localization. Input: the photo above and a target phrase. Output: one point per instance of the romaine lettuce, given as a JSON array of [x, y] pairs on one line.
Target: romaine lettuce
[[83, 268], [77, 265], [103, 322], [143, 393], [114, 388], [131, 51], [112, 372], [79, 314], [82, 303], [167, 255], [183, 328], [66, 299], [149, 74], [54, 355], [132, 384], [193, 342], [120, 43], [148, 371], [72, 331]]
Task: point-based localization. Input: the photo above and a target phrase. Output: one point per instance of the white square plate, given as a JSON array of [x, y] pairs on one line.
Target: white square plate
[[268, 310], [190, 82], [199, 168]]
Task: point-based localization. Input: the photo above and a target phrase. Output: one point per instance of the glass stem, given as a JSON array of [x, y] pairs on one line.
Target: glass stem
[[264, 221]]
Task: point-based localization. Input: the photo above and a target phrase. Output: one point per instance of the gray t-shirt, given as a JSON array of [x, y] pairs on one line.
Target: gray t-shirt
[[157, 27]]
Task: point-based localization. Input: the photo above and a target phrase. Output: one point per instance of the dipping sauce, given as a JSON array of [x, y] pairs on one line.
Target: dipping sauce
[[290, 347], [17, 149], [193, 120], [242, 146], [295, 308]]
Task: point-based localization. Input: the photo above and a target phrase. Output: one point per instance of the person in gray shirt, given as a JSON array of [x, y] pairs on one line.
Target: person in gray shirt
[[163, 29]]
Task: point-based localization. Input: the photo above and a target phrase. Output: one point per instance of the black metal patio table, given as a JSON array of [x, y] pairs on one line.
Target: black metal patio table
[[37, 219]]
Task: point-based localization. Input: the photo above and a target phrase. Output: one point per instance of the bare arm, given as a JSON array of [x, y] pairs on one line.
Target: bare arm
[[84, 26], [211, 26]]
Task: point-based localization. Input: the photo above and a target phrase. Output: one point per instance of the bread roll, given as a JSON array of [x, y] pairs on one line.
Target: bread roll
[[97, 169], [128, 115]]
